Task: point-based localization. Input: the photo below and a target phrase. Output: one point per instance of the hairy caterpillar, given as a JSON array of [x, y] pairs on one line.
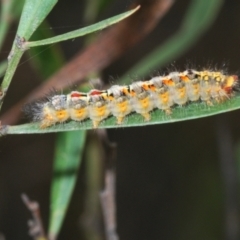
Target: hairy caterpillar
[[161, 92]]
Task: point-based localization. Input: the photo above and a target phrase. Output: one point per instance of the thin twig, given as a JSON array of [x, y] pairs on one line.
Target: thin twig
[[107, 197], [2, 237], [3, 129], [229, 175], [36, 229], [110, 149]]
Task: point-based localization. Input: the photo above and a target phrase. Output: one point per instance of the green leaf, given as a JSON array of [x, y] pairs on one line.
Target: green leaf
[[3, 67], [69, 149], [83, 31], [28, 25], [34, 12], [191, 111], [10, 10], [32, 16], [17, 8], [94, 170], [6, 7], [199, 17]]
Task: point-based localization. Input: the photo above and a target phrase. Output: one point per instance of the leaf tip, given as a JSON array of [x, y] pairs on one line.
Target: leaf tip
[[3, 129]]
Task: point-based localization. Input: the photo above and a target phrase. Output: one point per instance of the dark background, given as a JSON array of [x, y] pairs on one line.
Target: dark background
[[170, 181]]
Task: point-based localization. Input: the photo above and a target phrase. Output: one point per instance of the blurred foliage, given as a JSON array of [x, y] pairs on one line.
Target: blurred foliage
[[198, 19]]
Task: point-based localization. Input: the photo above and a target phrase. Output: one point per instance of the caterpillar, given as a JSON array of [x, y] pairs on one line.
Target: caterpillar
[[141, 97]]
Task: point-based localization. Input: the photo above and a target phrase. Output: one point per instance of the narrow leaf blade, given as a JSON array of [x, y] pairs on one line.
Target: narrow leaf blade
[[191, 111], [83, 31], [34, 12], [69, 149]]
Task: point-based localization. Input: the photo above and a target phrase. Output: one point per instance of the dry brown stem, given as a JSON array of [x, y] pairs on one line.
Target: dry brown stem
[[36, 230]]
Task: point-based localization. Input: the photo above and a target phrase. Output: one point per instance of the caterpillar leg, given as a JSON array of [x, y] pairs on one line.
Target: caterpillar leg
[[143, 104], [120, 120], [95, 123], [97, 114], [146, 116], [48, 118], [120, 104], [168, 111], [46, 123], [98, 106], [209, 103]]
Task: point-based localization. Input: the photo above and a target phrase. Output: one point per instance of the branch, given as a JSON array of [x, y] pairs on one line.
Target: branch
[[36, 229], [107, 197]]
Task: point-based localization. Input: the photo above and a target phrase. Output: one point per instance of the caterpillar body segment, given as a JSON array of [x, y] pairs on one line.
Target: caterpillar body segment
[[121, 104], [54, 111], [99, 108], [141, 97], [78, 106], [142, 101]]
